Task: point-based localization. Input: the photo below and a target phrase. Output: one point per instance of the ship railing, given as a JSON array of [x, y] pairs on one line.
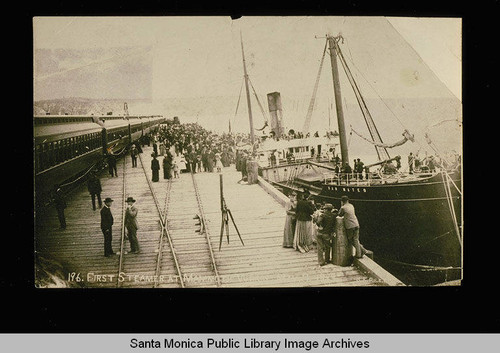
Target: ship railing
[[347, 178]]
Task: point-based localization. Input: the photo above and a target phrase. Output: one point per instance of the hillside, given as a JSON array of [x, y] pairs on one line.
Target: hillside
[[84, 106]]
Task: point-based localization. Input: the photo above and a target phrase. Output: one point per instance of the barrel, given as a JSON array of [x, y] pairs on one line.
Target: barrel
[[342, 250]]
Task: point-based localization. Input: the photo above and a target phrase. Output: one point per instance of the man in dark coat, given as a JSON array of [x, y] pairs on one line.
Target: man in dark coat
[[360, 166], [94, 187], [155, 167], [132, 225], [133, 154], [243, 166], [112, 164], [106, 226], [326, 227], [155, 148], [204, 159]]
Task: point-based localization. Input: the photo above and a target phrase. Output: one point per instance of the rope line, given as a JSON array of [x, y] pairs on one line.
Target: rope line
[[258, 101], [307, 121]]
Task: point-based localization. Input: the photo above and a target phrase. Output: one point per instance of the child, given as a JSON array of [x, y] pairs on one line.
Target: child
[[218, 163], [176, 169]]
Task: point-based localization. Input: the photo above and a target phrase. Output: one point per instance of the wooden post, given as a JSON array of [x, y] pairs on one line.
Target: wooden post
[[253, 171], [342, 250]]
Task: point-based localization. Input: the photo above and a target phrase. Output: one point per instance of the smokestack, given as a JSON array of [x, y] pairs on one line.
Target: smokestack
[[274, 103]]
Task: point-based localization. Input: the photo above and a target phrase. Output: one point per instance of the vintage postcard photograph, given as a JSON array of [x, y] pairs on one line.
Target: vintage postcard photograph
[[265, 151]]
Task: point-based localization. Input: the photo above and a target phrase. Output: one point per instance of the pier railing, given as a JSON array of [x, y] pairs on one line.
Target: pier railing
[[347, 178]]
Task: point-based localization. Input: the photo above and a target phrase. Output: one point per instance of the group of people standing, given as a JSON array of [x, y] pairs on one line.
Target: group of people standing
[[307, 223], [130, 224], [94, 187], [359, 171], [193, 148]]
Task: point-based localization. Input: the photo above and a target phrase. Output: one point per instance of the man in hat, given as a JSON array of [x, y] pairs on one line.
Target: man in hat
[[351, 225], [326, 227], [133, 153], [94, 188], [131, 225], [106, 225]]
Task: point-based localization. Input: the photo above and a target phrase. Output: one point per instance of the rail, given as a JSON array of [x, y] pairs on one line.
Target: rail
[[164, 232], [122, 236], [371, 178], [207, 232], [348, 178], [160, 245]]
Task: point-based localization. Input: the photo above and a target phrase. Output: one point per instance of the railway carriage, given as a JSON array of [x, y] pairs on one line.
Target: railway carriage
[[67, 146]]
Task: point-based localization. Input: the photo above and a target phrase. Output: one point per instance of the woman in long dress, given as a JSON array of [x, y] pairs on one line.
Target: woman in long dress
[[218, 163], [302, 240], [155, 167], [289, 231]]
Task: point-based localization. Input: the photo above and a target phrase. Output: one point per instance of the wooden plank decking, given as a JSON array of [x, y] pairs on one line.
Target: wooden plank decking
[[261, 262]]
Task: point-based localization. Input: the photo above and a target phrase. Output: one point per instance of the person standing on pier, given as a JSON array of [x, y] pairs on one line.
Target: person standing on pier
[[138, 147], [290, 221], [155, 167], [112, 164], [243, 166], [155, 146], [176, 169], [198, 162], [132, 225], [133, 153], [303, 230], [106, 226], [166, 167], [60, 204], [351, 225], [94, 188], [326, 228], [218, 163]]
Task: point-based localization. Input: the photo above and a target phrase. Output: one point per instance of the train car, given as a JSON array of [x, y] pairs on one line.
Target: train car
[[67, 146]]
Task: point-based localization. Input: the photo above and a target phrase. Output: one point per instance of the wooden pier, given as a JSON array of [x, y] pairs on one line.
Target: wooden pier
[[258, 213]]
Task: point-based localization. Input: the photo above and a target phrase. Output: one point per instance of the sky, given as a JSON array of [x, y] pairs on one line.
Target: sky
[[195, 53], [408, 69]]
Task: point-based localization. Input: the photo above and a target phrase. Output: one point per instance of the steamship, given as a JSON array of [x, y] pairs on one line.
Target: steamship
[[410, 219]]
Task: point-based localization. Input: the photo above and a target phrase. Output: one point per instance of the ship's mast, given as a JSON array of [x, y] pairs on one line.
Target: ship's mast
[[252, 137], [338, 100]]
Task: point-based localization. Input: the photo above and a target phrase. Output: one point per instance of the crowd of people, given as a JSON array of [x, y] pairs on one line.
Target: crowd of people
[[192, 148], [183, 147], [308, 223], [292, 134]]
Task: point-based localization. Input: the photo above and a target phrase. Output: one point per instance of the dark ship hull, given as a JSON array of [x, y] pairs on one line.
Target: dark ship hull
[[407, 224]]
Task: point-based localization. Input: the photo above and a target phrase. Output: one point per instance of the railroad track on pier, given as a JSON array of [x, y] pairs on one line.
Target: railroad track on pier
[[180, 253], [145, 268], [190, 234]]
